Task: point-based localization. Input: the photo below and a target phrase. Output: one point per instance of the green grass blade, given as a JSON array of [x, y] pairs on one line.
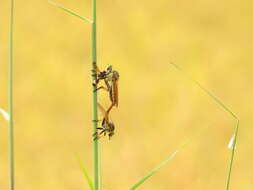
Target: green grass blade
[[216, 99], [163, 163], [5, 114], [169, 158], [69, 11], [96, 156], [232, 156], [220, 103], [10, 102], [86, 175], [142, 180]]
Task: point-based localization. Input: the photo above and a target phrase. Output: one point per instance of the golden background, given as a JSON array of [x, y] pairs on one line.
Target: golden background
[[158, 109]]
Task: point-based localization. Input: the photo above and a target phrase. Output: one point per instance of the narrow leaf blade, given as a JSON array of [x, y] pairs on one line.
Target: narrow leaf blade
[[142, 180], [86, 175], [69, 11], [230, 167], [233, 141]]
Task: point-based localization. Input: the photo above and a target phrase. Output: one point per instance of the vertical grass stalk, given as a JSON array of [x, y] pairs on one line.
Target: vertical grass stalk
[[10, 101], [96, 156], [94, 117], [232, 156]]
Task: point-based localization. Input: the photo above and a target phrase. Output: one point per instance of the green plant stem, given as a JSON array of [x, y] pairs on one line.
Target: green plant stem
[[95, 118], [227, 109], [232, 156], [10, 100]]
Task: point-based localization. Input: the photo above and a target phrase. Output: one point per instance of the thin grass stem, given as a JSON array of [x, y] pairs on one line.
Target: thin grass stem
[[96, 157], [220, 103], [232, 156], [10, 101]]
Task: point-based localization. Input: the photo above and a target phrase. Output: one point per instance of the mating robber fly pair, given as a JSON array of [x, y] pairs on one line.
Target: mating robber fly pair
[[110, 78]]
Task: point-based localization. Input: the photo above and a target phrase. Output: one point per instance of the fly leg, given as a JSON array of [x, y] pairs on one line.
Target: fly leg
[[109, 109], [103, 128], [99, 135], [95, 83], [101, 87], [95, 71], [98, 74], [105, 119], [95, 135]]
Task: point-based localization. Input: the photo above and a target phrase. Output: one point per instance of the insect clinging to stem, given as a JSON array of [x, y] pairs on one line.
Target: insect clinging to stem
[[107, 125], [110, 78]]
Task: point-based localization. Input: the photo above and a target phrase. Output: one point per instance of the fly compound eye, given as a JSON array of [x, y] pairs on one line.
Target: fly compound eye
[[110, 135], [109, 68]]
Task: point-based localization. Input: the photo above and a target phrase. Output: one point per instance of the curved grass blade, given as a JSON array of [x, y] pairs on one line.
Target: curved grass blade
[[164, 162], [5, 114], [142, 180], [169, 158], [233, 140], [85, 173], [69, 11]]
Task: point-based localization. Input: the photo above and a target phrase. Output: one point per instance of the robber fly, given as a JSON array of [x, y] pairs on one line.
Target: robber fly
[[107, 125], [110, 78]]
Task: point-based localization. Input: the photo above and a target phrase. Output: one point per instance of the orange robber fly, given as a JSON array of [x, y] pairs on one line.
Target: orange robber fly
[[110, 78], [107, 125]]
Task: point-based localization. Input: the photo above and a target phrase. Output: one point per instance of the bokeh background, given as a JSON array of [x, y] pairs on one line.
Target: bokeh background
[[158, 110]]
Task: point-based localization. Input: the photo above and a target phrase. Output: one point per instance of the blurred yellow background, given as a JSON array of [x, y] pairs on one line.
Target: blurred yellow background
[[158, 108]]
